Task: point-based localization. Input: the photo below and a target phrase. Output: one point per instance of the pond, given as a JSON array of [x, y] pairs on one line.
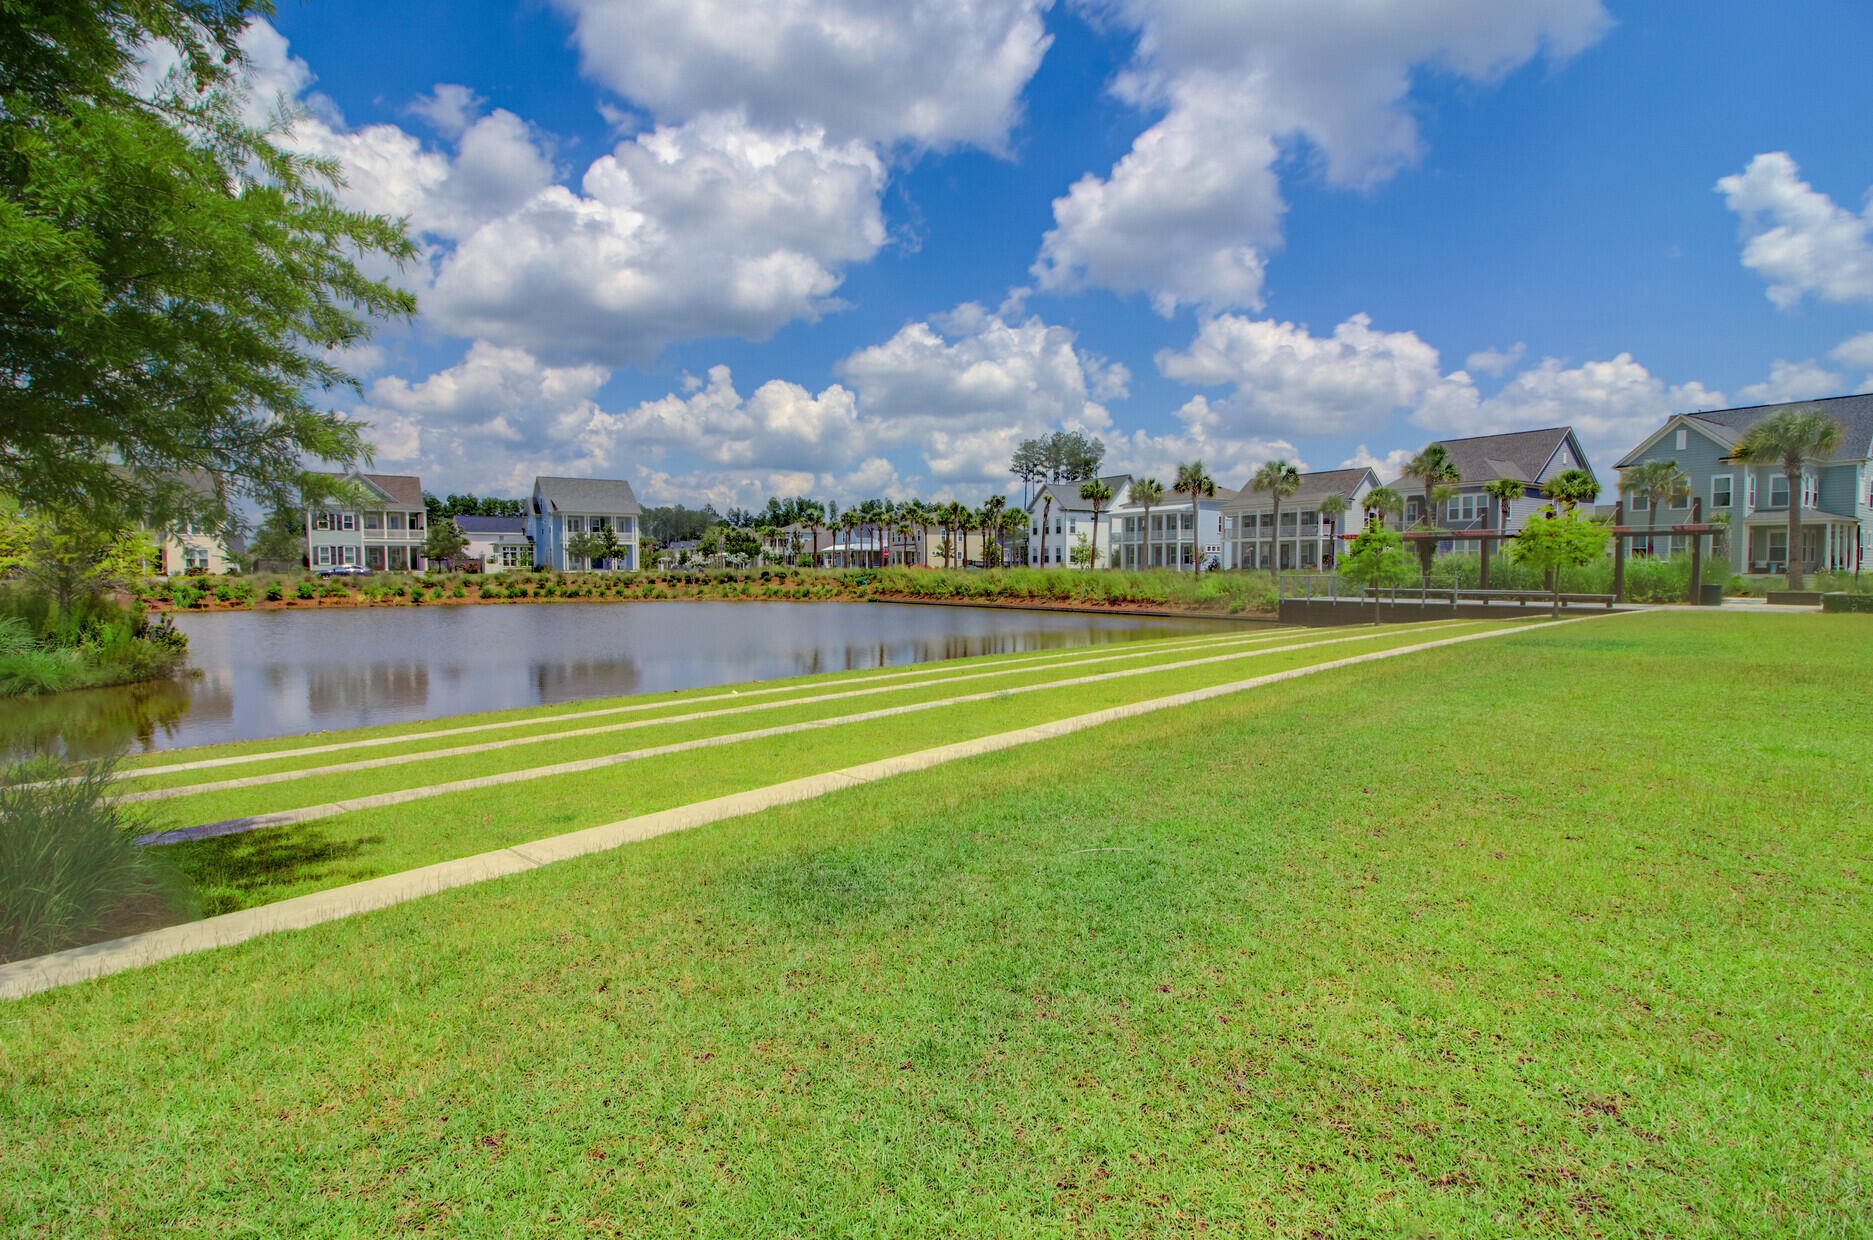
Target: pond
[[276, 673]]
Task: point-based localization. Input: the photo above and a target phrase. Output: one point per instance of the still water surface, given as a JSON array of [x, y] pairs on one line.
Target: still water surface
[[276, 673]]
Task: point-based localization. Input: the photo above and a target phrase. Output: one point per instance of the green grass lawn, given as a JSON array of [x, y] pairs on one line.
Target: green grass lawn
[[1564, 933], [239, 871]]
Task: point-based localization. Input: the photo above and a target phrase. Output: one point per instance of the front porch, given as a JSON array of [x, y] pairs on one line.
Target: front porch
[[1829, 543]]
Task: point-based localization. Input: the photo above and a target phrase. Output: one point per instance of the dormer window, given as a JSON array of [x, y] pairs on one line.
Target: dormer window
[[1681, 440]]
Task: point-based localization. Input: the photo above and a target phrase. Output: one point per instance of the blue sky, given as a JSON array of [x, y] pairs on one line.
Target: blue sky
[[730, 248]]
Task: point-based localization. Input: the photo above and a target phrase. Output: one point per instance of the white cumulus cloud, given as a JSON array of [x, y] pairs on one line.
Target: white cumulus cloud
[[1190, 213], [1291, 382], [929, 72], [1797, 238], [704, 229], [967, 386], [1805, 380]]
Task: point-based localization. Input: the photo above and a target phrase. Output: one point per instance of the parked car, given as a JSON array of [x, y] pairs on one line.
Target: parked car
[[345, 570]]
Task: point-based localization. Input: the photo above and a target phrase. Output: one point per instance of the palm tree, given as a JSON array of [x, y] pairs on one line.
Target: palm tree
[[1047, 505], [1147, 493], [1659, 482], [1193, 481], [1432, 467], [1280, 480], [1380, 501], [1571, 487], [1793, 438], [813, 513], [1504, 491], [1014, 525], [992, 520], [1333, 507], [956, 520], [848, 523], [1098, 493]]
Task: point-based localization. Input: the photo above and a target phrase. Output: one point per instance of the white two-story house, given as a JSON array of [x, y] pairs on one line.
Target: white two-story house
[[1067, 519], [1307, 538], [1173, 534], [561, 509], [384, 533]]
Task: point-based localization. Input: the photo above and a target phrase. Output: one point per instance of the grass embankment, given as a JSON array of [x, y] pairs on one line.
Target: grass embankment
[[1225, 593], [256, 867], [1453, 945]]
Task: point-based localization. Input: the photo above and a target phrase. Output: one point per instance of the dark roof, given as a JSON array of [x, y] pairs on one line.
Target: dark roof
[[404, 490], [1520, 455], [491, 525], [603, 495], [1314, 488], [1854, 413]]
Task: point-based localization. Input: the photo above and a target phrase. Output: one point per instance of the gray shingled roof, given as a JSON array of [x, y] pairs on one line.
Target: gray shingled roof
[[1314, 488], [404, 490], [1485, 458], [603, 495], [491, 525], [1854, 413]]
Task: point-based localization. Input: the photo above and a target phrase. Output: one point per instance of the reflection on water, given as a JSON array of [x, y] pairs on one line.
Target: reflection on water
[[277, 673], [95, 723]]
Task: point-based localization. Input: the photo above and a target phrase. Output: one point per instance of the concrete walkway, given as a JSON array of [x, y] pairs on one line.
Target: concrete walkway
[[27, 977], [310, 813]]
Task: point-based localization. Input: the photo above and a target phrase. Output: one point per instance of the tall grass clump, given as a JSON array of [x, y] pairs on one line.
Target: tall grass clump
[[71, 871]]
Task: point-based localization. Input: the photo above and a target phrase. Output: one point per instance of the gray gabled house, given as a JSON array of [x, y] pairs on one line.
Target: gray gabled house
[[1528, 457], [1836, 497], [561, 509]]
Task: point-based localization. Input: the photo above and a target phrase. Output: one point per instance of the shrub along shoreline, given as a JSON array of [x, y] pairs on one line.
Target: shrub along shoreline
[[94, 644], [1114, 590]]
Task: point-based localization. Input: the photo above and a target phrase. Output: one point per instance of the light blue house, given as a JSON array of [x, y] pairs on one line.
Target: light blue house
[[563, 508], [1836, 509]]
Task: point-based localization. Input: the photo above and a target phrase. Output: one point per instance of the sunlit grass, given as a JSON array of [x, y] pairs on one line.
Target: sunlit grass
[[1561, 934]]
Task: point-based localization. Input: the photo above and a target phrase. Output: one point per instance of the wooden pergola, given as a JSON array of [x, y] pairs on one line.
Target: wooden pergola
[[1621, 532]]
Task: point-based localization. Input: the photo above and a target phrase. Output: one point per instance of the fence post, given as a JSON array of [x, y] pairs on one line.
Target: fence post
[[1697, 553], [1619, 554]]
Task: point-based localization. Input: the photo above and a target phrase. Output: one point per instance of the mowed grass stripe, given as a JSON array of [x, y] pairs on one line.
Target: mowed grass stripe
[[243, 869], [278, 746], [180, 783], [415, 746], [1037, 679], [390, 840]]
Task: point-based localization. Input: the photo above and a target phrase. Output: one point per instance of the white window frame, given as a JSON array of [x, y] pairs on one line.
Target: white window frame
[[1783, 479], [1810, 488], [1729, 490], [322, 555], [1641, 502], [1682, 439], [1749, 490]]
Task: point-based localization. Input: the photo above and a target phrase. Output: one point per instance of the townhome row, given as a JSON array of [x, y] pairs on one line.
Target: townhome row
[[389, 530], [1237, 528]]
